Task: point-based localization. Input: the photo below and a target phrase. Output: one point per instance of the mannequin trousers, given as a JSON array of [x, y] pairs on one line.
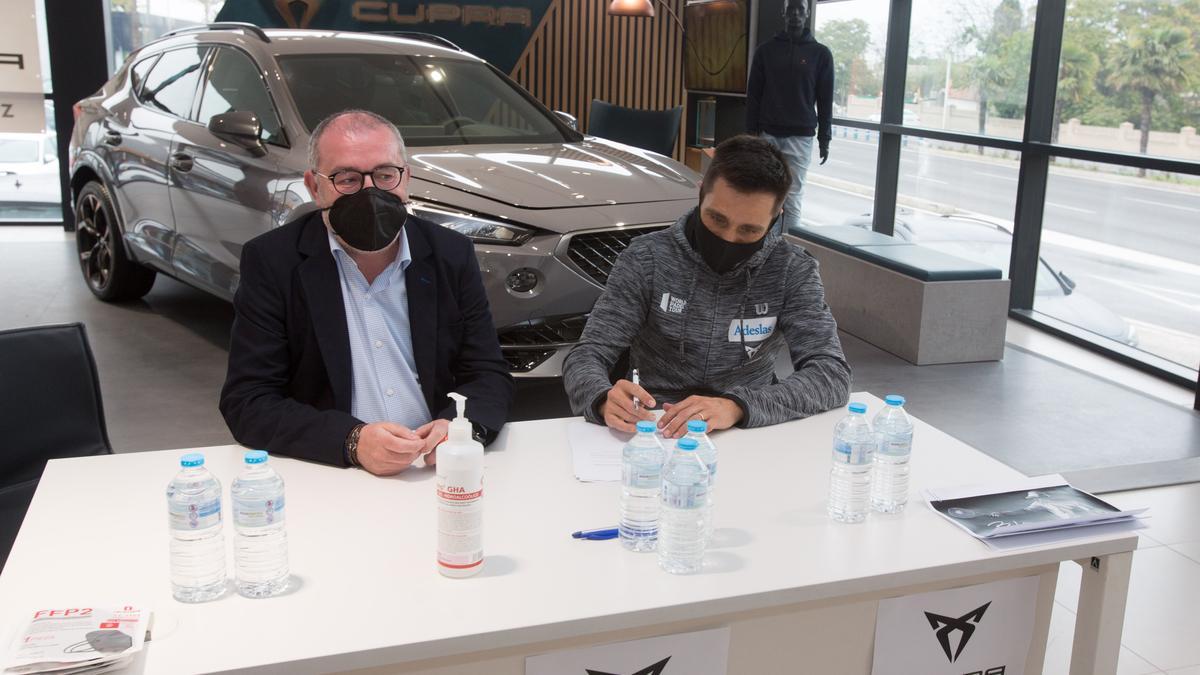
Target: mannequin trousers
[[797, 151]]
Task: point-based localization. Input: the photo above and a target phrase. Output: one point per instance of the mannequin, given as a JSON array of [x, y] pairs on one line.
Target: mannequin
[[789, 99]]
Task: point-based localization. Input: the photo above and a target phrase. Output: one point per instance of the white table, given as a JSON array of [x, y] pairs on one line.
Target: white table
[[795, 587]]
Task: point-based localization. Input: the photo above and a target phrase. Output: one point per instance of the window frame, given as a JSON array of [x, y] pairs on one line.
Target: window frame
[[210, 60], [207, 52], [135, 88]]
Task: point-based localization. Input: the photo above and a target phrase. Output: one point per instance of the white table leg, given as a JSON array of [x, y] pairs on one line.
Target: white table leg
[[1101, 615]]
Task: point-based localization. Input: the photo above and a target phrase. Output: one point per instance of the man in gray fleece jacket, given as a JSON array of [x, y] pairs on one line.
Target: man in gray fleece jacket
[[705, 306]]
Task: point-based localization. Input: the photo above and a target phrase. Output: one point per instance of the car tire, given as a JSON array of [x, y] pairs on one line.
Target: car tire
[[107, 270]]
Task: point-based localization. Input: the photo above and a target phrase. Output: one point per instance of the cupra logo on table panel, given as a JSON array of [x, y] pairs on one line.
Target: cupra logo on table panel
[[963, 625]]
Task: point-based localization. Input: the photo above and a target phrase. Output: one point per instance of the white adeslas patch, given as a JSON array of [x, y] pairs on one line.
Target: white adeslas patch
[[752, 330]]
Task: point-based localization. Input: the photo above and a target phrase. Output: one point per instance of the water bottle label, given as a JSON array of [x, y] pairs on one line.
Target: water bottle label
[[195, 516], [257, 512], [852, 453], [641, 476], [896, 447], [684, 496]]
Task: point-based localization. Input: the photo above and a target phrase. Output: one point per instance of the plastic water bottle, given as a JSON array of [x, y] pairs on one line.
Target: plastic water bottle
[[641, 483], [260, 547], [698, 430], [684, 510], [893, 435], [197, 543], [850, 477]]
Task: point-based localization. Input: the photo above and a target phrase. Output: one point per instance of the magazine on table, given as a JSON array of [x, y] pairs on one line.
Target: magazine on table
[[1022, 506]]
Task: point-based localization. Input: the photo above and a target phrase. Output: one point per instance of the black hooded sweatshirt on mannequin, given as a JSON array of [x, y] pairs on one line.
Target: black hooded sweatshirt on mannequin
[[790, 75]]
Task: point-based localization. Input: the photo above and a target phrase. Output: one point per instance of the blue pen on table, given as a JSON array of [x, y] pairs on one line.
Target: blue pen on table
[[600, 534]]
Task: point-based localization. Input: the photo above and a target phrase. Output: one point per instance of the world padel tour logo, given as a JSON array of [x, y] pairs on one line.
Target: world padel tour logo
[[964, 625], [297, 13], [653, 669]]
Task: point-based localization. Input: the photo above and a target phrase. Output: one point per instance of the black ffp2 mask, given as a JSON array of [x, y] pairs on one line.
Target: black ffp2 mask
[[720, 255], [369, 219]]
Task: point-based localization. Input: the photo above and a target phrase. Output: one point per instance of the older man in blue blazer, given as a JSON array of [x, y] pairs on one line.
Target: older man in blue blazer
[[355, 321]]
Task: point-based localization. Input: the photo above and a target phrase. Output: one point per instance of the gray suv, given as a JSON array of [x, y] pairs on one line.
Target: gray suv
[[199, 144]]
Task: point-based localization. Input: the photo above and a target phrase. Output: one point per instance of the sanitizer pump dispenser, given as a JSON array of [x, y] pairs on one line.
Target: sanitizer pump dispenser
[[460, 498]]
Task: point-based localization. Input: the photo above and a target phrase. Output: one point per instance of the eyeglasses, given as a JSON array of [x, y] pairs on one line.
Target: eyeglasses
[[349, 181]]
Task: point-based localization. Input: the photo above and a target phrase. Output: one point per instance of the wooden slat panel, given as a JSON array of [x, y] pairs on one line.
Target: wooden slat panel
[[579, 53]]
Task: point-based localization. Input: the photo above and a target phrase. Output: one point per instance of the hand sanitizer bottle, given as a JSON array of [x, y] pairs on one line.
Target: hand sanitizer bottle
[[460, 499]]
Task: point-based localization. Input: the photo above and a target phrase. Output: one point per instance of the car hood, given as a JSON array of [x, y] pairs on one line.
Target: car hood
[[593, 172], [1080, 310]]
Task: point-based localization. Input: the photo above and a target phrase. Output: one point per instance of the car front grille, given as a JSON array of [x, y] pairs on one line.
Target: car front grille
[[525, 360], [595, 253], [528, 345], [549, 331]]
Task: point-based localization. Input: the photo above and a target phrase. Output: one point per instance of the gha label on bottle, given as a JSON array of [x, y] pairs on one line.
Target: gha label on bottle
[[460, 520]]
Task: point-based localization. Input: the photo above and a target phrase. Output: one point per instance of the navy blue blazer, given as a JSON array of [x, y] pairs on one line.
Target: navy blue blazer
[[288, 386]]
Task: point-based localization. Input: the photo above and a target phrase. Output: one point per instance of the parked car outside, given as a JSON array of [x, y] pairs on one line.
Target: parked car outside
[[199, 143], [990, 244], [911, 118], [29, 173]]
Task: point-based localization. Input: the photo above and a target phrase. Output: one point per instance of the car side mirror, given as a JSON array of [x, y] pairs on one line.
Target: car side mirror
[[1067, 281], [568, 119], [240, 127]]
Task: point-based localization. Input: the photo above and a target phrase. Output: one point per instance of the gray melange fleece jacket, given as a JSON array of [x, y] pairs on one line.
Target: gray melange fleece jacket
[[692, 331]]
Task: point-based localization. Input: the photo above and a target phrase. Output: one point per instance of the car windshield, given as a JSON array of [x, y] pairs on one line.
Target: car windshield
[[17, 152], [433, 101], [994, 254]]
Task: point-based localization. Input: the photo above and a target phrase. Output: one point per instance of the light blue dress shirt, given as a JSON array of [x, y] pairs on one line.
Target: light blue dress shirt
[[384, 382]]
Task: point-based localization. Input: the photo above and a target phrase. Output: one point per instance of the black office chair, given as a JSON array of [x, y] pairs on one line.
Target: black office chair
[[50, 407], [654, 130]]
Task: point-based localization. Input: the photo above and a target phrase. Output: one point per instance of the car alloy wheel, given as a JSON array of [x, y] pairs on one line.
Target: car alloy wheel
[[110, 274], [93, 234]]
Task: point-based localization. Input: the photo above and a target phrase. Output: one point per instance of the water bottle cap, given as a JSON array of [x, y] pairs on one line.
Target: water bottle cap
[[192, 459], [697, 426], [860, 408], [688, 444], [894, 399], [256, 456], [646, 427]]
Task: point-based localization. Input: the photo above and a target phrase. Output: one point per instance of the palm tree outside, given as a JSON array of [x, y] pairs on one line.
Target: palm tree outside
[[1158, 60]]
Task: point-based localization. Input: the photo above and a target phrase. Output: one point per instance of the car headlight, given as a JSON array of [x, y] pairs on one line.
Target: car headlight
[[480, 230]]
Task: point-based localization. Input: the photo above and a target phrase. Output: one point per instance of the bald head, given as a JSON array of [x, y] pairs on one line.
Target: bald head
[[351, 124]]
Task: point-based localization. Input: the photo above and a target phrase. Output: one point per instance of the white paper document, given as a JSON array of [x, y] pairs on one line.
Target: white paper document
[[596, 451], [78, 640], [1017, 509]]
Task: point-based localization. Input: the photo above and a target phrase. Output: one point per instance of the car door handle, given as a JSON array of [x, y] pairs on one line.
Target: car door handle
[[181, 161]]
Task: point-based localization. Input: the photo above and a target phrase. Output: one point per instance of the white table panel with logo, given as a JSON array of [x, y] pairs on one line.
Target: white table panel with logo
[[799, 592]]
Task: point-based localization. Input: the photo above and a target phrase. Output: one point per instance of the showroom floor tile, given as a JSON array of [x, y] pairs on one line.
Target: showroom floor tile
[[1161, 622], [1172, 515], [1058, 648]]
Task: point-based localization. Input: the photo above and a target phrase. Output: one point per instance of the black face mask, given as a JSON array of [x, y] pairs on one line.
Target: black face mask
[[720, 255], [369, 219]]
